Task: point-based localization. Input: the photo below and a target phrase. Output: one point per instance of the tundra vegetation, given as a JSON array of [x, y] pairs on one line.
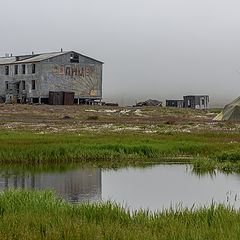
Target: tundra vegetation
[[40, 136]]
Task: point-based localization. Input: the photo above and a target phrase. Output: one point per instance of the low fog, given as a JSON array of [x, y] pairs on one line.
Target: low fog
[[159, 49]]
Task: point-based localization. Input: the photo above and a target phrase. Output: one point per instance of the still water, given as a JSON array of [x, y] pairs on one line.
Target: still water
[[152, 187]]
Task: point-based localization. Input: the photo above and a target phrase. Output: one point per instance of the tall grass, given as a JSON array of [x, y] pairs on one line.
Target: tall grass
[[204, 150], [57, 148], [40, 215]]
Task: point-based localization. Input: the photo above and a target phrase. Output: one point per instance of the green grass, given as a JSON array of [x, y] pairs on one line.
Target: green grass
[[67, 147], [40, 215], [215, 110], [206, 149]]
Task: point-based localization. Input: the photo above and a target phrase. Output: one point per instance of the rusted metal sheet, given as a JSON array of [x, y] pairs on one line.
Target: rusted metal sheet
[[68, 98], [61, 98], [55, 98]]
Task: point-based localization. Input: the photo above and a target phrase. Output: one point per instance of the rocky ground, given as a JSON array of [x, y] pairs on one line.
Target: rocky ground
[[83, 118]]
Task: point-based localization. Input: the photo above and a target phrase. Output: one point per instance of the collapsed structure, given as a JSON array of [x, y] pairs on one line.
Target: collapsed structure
[[150, 102], [30, 78]]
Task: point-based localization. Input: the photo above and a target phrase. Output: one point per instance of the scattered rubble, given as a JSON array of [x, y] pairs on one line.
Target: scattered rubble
[[150, 102]]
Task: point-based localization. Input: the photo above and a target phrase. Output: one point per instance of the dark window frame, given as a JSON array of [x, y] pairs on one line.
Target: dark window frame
[[23, 85], [33, 68], [33, 84], [6, 85], [6, 70], [23, 69], [16, 69], [74, 58]]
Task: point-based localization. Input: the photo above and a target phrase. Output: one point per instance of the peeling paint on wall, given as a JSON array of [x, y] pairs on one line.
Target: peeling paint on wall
[[84, 80]]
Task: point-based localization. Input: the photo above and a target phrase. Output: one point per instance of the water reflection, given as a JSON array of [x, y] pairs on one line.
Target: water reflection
[[168, 185], [151, 187], [78, 185]]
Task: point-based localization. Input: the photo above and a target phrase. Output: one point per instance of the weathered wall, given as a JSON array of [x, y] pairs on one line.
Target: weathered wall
[[13, 78], [83, 79], [196, 102]]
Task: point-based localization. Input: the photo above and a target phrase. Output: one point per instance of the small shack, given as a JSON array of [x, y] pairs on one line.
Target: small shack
[[174, 103], [61, 98]]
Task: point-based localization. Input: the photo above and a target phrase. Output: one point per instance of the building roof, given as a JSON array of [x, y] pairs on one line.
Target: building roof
[[7, 60], [197, 95], [34, 58]]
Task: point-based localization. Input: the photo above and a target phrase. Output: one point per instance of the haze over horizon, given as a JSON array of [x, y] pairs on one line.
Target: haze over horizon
[[159, 49]]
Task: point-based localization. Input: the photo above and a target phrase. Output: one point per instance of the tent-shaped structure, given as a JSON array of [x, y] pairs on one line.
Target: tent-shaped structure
[[232, 111]]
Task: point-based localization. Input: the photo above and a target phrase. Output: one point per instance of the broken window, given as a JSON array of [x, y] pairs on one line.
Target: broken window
[[17, 87], [33, 68], [23, 85], [74, 58], [202, 101], [33, 84], [23, 69], [6, 70], [16, 69], [6, 85]]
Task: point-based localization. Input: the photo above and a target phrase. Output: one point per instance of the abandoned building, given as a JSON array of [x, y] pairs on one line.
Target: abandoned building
[[30, 78], [174, 103], [196, 101], [193, 101]]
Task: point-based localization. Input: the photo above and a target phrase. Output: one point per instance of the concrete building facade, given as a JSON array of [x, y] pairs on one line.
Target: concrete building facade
[[30, 78], [196, 101]]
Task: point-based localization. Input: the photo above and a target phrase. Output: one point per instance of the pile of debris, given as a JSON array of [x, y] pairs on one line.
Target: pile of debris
[[149, 102]]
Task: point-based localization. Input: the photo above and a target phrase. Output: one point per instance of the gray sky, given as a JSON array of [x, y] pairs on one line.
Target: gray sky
[[151, 48]]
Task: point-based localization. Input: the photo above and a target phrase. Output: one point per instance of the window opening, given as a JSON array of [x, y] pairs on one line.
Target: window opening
[[23, 69], [34, 68], [6, 70], [33, 84], [16, 69], [74, 58], [6, 85]]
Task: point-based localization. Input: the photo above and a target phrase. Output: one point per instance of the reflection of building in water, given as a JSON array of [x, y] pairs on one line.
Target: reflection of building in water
[[75, 186]]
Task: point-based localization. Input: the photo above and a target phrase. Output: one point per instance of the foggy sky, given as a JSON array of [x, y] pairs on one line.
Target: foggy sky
[[161, 49]]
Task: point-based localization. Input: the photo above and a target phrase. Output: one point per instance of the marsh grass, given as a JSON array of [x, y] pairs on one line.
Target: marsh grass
[[209, 165], [69, 148], [41, 215]]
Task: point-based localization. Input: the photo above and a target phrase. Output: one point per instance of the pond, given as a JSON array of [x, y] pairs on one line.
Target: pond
[[152, 187]]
